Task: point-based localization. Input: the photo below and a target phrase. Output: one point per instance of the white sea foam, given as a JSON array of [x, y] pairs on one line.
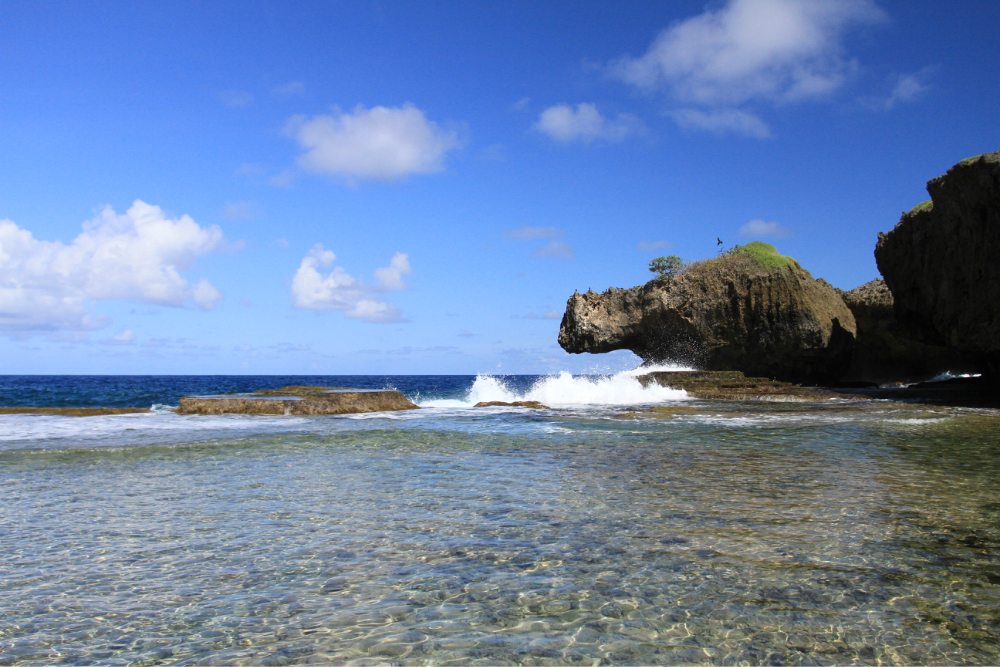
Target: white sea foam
[[28, 427], [566, 389]]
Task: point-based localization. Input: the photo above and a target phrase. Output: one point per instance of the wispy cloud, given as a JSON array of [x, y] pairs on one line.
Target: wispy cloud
[[381, 143], [533, 233], [239, 210], [550, 314], [650, 246], [722, 121], [288, 89], [565, 124], [556, 249], [764, 229], [235, 98], [126, 337], [905, 89]]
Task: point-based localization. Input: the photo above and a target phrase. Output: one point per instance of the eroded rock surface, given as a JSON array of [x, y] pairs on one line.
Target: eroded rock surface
[[734, 385], [942, 262], [298, 401], [886, 351], [728, 313]]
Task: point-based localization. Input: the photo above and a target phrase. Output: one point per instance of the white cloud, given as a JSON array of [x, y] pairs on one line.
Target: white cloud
[[774, 50], [336, 290], [562, 123], [380, 143], [762, 228], [126, 337], [390, 278], [137, 256], [532, 233], [649, 246], [235, 98], [556, 249], [723, 121], [907, 88]]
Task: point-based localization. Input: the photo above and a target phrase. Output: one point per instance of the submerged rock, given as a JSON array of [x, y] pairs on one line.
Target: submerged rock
[[751, 310], [885, 350], [942, 262], [298, 400]]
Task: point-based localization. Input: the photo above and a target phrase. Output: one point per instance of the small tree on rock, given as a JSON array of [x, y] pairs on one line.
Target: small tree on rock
[[666, 267]]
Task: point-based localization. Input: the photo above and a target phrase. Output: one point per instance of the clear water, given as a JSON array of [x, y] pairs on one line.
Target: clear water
[[742, 533]]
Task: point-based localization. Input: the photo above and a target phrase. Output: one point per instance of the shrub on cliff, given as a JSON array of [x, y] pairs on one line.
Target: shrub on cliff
[[666, 267]]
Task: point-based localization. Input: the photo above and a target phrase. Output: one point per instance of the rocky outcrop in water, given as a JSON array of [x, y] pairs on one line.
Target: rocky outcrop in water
[[764, 318], [297, 401], [886, 351], [942, 262]]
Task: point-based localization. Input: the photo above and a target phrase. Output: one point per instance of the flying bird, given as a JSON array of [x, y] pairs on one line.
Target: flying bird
[[719, 240]]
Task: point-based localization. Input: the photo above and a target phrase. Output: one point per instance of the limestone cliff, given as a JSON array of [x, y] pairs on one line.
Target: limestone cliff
[[729, 313], [942, 262], [886, 351]]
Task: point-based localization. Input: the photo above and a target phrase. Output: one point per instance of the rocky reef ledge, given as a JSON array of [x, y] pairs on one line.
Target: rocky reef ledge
[[298, 400], [734, 385]]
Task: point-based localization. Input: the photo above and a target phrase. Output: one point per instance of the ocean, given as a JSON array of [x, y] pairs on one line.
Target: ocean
[[812, 533]]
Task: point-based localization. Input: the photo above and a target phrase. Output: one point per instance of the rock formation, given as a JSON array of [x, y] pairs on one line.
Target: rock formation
[[750, 310], [885, 351], [297, 401], [942, 262]]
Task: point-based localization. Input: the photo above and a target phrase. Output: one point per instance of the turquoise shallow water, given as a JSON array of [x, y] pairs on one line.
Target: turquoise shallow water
[[740, 533]]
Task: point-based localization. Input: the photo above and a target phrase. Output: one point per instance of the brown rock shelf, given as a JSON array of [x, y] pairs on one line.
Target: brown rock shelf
[[298, 400], [736, 386]]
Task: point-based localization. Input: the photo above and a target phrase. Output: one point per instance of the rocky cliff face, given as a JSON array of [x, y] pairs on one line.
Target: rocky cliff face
[[885, 351], [942, 262], [728, 313]]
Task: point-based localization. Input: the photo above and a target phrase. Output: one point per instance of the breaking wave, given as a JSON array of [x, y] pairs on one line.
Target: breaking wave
[[566, 389]]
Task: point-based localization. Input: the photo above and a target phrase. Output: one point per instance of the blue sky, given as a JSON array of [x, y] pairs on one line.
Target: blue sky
[[339, 188]]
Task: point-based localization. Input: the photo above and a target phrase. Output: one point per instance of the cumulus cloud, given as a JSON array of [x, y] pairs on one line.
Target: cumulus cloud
[[556, 249], [532, 233], [562, 123], [381, 143], [764, 229], [337, 290], [722, 121], [138, 256], [749, 51], [777, 50]]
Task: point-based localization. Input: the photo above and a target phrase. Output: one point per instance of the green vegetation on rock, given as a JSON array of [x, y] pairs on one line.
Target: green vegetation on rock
[[764, 255], [923, 206]]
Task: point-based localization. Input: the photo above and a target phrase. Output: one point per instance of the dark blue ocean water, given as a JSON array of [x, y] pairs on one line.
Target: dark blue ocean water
[[142, 391]]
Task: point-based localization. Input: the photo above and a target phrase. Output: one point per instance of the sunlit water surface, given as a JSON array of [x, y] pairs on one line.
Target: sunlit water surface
[[777, 533]]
